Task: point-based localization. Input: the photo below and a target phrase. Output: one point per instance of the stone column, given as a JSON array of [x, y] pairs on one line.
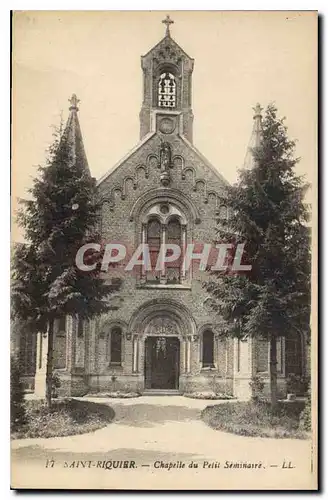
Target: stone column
[[41, 365], [183, 355], [80, 347], [143, 241], [87, 333], [252, 357], [243, 367], [91, 367], [70, 343], [188, 360], [135, 353], [183, 250], [283, 356], [163, 241]]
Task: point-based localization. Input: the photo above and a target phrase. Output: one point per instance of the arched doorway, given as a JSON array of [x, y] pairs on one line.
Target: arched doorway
[[162, 335], [162, 352], [162, 362]]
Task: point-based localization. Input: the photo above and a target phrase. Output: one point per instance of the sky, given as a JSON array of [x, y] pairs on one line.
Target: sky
[[241, 58]]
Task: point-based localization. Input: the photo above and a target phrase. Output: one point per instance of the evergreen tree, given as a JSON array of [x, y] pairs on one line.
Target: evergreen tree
[[268, 214], [59, 218]]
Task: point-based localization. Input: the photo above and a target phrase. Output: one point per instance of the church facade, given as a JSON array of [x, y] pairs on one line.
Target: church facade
[[160, 334]]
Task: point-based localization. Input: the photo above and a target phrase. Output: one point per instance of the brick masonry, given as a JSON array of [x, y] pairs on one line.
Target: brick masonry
[[127, 193]]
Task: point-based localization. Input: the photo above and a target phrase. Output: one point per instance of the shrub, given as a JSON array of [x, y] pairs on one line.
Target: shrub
[[297, 384], [305, 416], [208, 395], [65, 418], [115, 394], [249, 419], [17, 406]]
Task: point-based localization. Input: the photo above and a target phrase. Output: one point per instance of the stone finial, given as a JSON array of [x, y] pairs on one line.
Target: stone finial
[[257, 111], [74, 102], [167, 21]]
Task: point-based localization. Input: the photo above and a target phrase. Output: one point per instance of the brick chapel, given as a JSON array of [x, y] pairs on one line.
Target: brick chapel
[[161, 334]]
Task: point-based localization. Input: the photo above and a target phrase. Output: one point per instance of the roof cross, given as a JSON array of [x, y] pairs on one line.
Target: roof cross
[[74, 101], [258, 111], [167, 21]]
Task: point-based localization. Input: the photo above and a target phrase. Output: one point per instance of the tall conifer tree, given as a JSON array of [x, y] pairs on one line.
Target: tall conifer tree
[[268, 214], [60, 217]]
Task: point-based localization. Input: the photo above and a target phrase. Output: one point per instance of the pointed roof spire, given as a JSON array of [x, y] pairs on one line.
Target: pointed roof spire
[[73, 135], [257, 128], [256, 136], [167, 21]]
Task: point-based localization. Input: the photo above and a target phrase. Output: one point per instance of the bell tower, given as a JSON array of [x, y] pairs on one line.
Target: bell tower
[[167, 73]]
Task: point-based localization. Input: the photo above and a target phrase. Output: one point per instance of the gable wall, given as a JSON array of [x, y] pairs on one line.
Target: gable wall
[[193, 178]]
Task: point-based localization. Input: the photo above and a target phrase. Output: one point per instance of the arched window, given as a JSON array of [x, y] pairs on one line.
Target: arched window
[[167, 91], [116, 345], [60, 347], [80, 329], [174, 237], [27, 353], [208, 349], [154, 243], [61, 327], [294, 355], [164, 223]]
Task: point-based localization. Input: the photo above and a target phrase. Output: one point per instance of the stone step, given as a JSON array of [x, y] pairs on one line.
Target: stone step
[[161, 392]]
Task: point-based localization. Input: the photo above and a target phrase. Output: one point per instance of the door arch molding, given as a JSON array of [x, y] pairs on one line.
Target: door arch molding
[[175, 311]]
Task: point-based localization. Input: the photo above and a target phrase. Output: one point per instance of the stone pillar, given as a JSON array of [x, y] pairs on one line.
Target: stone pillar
[[188, 355], [226, 345], [183, 355], [73, 380], [70, 344], [135, 354], [91, 364], [143, 241], [183, 251], [80, 348], [306, 358], [243, 367], [163, 242], [41, 365], [252, 357]]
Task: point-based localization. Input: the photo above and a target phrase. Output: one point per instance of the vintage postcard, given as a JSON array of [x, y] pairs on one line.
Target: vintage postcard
[[164, 243]]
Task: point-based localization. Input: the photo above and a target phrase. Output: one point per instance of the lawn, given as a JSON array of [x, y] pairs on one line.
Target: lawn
[[256, 419], [65, 418]]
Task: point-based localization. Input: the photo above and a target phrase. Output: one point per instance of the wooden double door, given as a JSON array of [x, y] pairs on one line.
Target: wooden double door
[[162, 361]]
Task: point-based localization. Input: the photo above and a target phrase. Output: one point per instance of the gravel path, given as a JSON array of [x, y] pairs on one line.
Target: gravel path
[[160, 442]]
